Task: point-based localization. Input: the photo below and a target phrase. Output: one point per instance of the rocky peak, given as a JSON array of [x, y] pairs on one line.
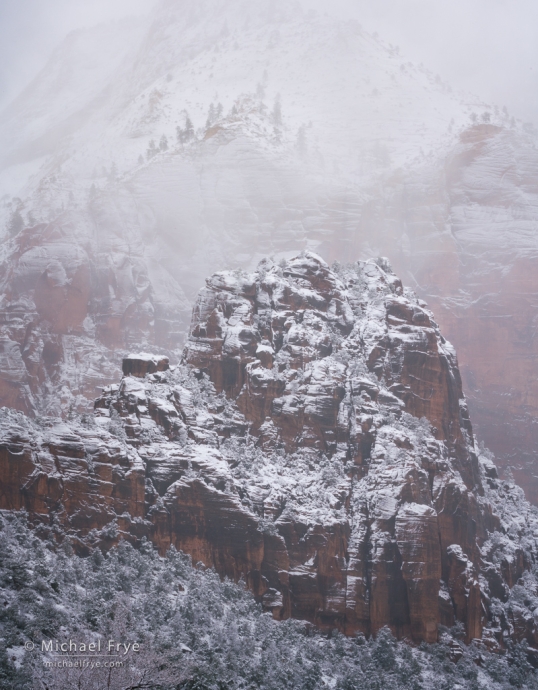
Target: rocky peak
[[314, 441], [307, 351]]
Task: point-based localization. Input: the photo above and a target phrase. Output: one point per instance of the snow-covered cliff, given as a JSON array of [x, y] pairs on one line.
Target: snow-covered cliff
[[216, 133], [315, 441]]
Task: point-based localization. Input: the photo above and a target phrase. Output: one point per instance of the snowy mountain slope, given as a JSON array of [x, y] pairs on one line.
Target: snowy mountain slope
[[355, 95], [68, 92]]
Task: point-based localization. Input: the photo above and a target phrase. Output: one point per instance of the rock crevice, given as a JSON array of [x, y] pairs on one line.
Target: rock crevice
[[315, 441]]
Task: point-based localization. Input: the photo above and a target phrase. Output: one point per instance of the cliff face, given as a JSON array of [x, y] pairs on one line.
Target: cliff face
[[67, 304], [315, 442], [399, 170], [468, 247], [317, 362]]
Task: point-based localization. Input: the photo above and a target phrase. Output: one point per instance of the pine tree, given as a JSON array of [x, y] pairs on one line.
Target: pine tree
[[16, 223], [210, 116], [187, 134], [163, 143], [277, 112], [189, 129], [151, 151], [301, 140]]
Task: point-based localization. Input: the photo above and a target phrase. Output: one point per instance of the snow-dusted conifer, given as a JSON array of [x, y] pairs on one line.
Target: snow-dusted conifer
[[277, 112], [301, 143], [151, 150], [187, 134], [211, 116], [16, 223]]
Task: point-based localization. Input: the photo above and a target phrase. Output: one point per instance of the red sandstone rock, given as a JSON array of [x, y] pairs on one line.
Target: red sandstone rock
[[316, 443], [69, 310], [141, 364]]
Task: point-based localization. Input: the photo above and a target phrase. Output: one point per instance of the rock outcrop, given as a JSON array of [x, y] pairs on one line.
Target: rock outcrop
[[468, 248], [141, 364], [315, 442], [70, 307], [399, 169]]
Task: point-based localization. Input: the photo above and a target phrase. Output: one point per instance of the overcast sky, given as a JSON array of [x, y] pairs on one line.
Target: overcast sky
[[489, 47]]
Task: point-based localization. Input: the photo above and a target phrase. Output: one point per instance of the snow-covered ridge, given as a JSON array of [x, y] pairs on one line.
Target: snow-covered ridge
[[360, 104]]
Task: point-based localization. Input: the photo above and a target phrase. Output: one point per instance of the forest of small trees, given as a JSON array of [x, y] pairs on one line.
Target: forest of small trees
[[196, 632]]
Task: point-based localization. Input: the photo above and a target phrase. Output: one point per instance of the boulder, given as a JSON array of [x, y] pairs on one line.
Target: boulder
[[141, 364]]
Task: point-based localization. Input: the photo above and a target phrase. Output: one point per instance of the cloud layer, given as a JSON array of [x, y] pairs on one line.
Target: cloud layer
[[488, 47]]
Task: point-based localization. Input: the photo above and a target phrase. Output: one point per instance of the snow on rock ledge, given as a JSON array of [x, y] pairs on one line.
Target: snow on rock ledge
[[315, 441], [141, 364]]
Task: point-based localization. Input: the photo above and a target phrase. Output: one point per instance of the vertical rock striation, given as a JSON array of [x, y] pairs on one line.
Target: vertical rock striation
[[315, 442]]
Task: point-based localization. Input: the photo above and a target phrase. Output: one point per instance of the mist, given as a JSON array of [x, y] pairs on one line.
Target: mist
[[326, 212], [268, 296], [209, 136], [489, 48], [30, 31]]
